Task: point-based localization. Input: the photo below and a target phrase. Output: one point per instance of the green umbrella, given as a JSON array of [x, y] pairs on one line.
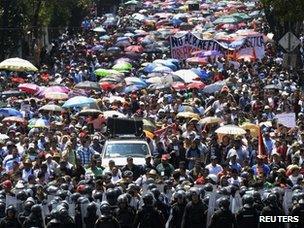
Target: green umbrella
[[106, 72], [122, 67], [226, 20], [241, 16]]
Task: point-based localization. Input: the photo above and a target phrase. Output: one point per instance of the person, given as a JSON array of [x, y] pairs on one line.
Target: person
[[124, 213], [106, 220], [35, 218], [91, 217], [165, 169], [195, 211], [27, 205], [177, 210], [85, 152], [130, 166], [271, 208], [223, 217], [213, 167], [298, 210], [193, 154], [10, 219], [247, 216], [148, 216]]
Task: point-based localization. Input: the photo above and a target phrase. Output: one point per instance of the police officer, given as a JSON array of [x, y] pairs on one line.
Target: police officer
[[10, 220], [106, 219], [78, 214], [35, 218], [272, 209], [159, 204], [124, 213], [257, 204], [64, 216], [27, 205], [148, 216], [247, 216], [177, 210], [195, 211], [91, 217], [223, 217], [298, 210], [2, 210]]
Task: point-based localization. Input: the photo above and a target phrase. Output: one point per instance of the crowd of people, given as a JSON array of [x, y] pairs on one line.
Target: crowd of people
[[51, 169]]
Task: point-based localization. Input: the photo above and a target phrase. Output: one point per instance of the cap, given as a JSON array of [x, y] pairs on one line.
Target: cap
[[48, 155], [165, 157], [7, 184], [31, 146]]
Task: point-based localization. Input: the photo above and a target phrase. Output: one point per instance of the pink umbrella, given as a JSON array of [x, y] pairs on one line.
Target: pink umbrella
[[29, 88], [196, 85], [179, 86], [134, 48], [51, 89]]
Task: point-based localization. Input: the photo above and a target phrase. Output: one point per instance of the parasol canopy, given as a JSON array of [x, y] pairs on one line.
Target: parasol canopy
[[79, 101], [230, 130], [17, 64]]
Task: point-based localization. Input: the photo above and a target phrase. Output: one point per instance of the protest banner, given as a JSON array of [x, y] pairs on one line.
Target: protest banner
[[287, 119], [183, 46]]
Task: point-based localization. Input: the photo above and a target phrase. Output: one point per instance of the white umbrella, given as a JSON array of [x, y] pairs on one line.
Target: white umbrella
[[187, 76], [212, 88], [113, 113], [99, 29], [17, 64], [3, 137], [230, 130], [133, 80]]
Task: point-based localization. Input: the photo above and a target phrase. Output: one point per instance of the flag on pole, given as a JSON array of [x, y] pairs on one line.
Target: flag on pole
[[261, 145]]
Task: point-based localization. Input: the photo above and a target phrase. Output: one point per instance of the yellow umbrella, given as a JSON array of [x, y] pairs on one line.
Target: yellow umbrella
[[187, 115], [149, 134], [210, 120], [254, 129], [17, 64], [230, 130]]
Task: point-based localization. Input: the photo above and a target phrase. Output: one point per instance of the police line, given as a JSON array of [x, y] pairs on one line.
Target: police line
[[183, 46]]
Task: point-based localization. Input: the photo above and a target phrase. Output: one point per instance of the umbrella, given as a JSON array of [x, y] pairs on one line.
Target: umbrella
[[88, 85], [197, 60], [11, 93], [187, 115], [196, 85], [89, 112], [60, 89], [111, 99], [134, 48], [17, 64], [187, 76], [122, 66], [106, 72], [210, 120], [99, 29], [134, 80], [3, 137], [132, 88], [271, 86], [226, 20], [254, 129], [230, 130], [112, 113], [51, 108], [179, 86], [114, 50], [29, 88], [78, 101], [40, 123], [56, 96], [14, 119], [148, 125], [149, 134], [162, 69], [212, 88], [107, 86], [132, 2], [9, 112], [97, 48]]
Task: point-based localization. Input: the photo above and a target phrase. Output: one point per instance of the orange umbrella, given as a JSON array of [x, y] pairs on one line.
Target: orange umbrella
[[149, 134], [134, 48]]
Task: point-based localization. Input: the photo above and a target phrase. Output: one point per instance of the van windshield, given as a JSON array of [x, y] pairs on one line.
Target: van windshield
[[115, 150]]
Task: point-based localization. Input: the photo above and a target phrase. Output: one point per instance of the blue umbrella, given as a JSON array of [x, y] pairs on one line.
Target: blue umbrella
[[162, 69], [176, 21], [131, 88], [201, 73], [150, 67], [97, 48], [9, 112], [78, 101]]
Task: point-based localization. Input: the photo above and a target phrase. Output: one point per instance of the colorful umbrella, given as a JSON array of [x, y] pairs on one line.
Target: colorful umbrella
[[179, 86], [107, 86], [9, 112], [14, 119], [210, 120], [196, 85], [79, 101], [88, 85], [56, 96], [187, 76], [51, 108], [17, 64], [40, 123], [254, 129], [29, 88], [106, 72], [230, 130], [122, 66], [134, 48]]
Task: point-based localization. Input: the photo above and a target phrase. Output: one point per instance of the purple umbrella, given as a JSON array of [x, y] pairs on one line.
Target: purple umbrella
[[60, 89]]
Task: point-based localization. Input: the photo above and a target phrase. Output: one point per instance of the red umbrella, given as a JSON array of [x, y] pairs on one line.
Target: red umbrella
[[134, 48], [14, 119], [17, 80], [107, 86], [29, 88], [196, 85], [178, 86], [229, 27]]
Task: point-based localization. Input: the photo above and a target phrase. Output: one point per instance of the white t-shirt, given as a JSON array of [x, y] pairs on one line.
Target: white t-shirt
[[214, 169]]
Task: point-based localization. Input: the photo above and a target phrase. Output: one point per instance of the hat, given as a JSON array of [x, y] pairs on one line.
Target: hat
[[48, 155], [152, 172], [294, 167], [165, 157], [266, 107], [31, 146], [233, 153], [281, 170], [276, 154], [7, 184]]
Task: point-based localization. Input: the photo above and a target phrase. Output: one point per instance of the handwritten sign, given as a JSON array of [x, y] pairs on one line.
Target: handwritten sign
[[287, 119]]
